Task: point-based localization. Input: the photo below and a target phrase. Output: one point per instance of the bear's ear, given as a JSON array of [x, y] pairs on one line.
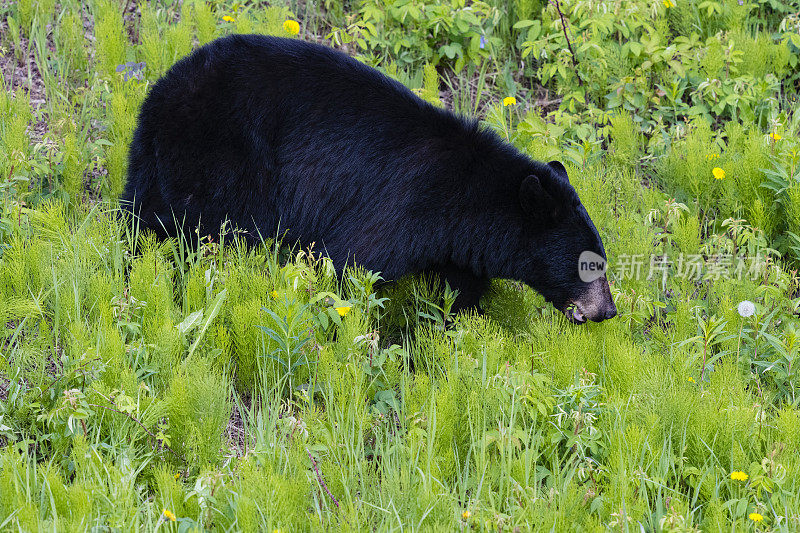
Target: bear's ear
[[559, 168], [535, 200]]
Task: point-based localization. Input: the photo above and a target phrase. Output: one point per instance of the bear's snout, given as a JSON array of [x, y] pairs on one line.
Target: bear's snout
[[595, 303]]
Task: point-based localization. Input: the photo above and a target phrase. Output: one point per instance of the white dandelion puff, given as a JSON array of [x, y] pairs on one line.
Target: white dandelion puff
[[746, 308]]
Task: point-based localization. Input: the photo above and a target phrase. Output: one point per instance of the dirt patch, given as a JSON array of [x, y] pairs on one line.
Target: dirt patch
[[235, 434], [5, 386], [20, 71], [23, 73]]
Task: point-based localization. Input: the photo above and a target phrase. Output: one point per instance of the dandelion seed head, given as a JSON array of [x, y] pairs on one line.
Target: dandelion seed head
[[746, 308]]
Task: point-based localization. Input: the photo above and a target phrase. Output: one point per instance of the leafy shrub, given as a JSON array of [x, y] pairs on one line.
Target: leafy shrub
[[71, 46], [110, 35], [122, 109], [455, 32], [198, 411]]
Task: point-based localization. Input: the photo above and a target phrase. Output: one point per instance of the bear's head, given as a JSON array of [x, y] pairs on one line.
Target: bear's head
[[566, 260]]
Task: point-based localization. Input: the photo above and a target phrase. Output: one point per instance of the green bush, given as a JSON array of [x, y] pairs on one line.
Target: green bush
[[198, 410], [111, 41]]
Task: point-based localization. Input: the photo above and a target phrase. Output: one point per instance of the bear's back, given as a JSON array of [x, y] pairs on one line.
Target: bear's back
[[294, 74]]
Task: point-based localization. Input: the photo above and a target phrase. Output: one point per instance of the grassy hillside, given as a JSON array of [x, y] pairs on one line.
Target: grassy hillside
[[207, 386]]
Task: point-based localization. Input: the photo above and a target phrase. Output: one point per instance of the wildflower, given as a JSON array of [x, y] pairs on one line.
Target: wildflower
[[668, 3], [177, 476], [775, 137], [746, 308], [483, 42], [718, 173], [690, 379], [509, 100], [466, 514], [755, 517], [166, 514], [228, 18], [739, 476], [292, 27], [274, 294], [343, 310], [711, 157]]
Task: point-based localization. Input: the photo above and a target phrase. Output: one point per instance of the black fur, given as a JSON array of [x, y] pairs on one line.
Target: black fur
[[271, 132]]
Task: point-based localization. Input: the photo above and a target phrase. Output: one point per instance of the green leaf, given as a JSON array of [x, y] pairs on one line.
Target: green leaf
[[323, 320], [190, 322], [215, 309], [741, 508], [677, 66]]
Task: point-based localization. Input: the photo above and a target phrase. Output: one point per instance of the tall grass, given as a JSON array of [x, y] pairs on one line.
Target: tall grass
[[150, 384]]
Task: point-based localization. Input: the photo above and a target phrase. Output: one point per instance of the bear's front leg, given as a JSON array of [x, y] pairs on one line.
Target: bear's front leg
[[469, 286]]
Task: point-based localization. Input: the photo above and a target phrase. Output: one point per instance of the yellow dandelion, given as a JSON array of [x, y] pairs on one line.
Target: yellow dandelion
[[711, 157], [177, 476], [739, 476], [343, 310], [690, 379], [775, 137], [466, 514], [509, 100], [168, 515], [292, 27], [274, 294], [755, 517], [718, 173], [228, 18], [668, 3]]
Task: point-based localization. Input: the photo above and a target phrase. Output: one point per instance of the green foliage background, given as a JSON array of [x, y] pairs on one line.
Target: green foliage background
[[157, 385]]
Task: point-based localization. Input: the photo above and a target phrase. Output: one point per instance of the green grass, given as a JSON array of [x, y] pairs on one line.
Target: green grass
[[236, 388]]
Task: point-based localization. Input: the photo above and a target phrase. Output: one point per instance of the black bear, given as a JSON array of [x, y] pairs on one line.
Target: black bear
[[280, 135]]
